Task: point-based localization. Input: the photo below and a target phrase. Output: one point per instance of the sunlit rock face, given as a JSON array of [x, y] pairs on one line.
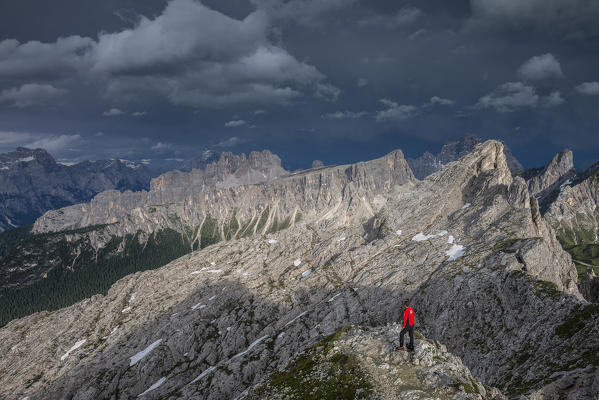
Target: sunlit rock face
[[494, 293]]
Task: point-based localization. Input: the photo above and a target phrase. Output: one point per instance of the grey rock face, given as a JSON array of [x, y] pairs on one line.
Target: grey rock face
[[201, 161], [32, 182], [589, 286], [365, 360], [574, 213], [178, 200], [428, 164], [546, 183], [484, 272]]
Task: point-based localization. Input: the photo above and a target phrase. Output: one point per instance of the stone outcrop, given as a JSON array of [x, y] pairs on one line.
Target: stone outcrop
[[363, 363], [574, 213], [589, 286], [32, 182], [547, 182], [467, 246], [428, 163]]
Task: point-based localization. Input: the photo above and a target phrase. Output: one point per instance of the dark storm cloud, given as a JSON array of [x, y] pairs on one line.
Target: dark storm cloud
[[189, 54], [31, 94], [165, 79]]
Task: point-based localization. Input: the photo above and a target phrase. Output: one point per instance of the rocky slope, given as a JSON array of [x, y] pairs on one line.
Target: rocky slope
[[547, 182], [428, 163], [574, 212], [362, 363], [485, 273], [32, 182]]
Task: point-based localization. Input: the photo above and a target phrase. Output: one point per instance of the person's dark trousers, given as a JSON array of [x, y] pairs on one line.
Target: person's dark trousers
[[410, 329]]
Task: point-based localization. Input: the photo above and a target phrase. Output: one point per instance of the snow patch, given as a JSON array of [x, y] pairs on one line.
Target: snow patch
[[342, 239], [271, 241], [75, 347], [199, 305], [398, 232], [26, 159], [212, 263], [137, 357], [281, 335], [563, 185], [212, 298], [334, 297], [203, 374], [307, 273], [5, 168], [420, 237], [214, 271], [450, 239], [297, 262], [466, 206], [455, 252], [365, 236], [132, 297], [255, 343], [296, 318], [158, 383], [126, 309]]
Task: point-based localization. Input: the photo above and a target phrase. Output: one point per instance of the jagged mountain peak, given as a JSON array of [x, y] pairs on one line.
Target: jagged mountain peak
[[428, 163]]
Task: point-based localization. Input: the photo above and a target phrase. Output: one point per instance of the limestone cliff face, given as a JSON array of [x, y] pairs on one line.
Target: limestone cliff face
[[574, 213], [428, 163], [183, 201], [467, 246], [546, 183]]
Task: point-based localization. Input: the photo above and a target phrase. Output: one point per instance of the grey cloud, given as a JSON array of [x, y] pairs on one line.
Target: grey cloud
[[403, 18], [440, 101], [395, 111], [327, 91], [554, 99], [113, 112], [139, 113], [190, 54], [37, 60], [569, 16], [417, 34], [588, 88], [541, 67], [161, 146], [513, 95], [345, 115], [361, 82], [31, 94], [56, 144], [230, 142], [303, 12], [236, 123]]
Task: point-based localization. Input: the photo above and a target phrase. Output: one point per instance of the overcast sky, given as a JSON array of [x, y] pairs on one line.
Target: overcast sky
[[336, 80]]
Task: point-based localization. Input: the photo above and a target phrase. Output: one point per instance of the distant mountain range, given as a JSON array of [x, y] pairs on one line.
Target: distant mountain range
[[32, 182]]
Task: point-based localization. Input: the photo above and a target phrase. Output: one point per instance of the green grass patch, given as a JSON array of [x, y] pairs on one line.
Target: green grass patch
[[344, 378]]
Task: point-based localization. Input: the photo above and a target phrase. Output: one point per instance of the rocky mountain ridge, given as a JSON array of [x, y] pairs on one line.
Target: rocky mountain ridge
[[32, 182], [428, 163], [484, 272], [546, 183]]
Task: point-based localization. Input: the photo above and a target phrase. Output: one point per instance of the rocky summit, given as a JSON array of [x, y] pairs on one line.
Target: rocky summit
[[301, 295], [428, 163]]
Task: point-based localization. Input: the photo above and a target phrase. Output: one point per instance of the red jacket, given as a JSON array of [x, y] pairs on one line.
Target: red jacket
[[408, 314]]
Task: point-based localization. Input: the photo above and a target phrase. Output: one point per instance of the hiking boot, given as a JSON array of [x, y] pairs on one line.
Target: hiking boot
[[399, 348]]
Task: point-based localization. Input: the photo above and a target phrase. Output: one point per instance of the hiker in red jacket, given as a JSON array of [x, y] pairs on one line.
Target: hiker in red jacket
[[408, 326]]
